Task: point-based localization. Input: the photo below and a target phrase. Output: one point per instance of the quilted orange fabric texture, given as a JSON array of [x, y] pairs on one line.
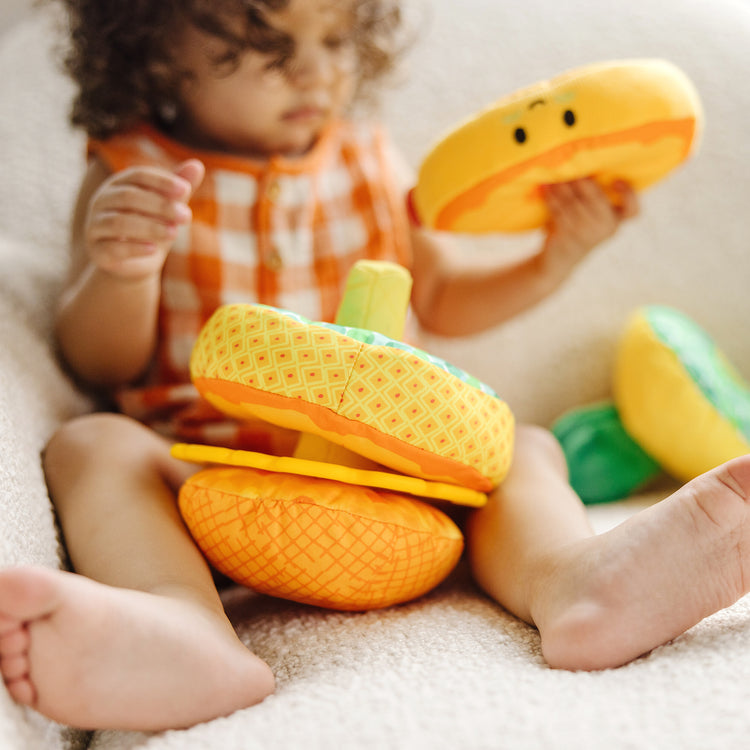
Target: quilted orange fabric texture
[[319, 542]]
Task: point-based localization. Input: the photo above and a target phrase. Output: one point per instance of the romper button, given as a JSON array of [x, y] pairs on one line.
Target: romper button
[[273, 190], [273, 261]]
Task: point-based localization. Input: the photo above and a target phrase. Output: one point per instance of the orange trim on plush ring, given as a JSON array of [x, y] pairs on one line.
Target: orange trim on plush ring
[[449, 215], [306, 416]]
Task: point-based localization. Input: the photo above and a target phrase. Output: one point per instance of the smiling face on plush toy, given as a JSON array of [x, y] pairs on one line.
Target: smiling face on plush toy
[[633, 121], [562, 105]]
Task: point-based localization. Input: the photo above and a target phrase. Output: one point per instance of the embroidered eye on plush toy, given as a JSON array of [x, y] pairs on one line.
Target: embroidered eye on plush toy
[[632, 120]]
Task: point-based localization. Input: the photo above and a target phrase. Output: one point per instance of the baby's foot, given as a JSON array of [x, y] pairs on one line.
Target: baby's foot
[[97, 657], [616, 596]]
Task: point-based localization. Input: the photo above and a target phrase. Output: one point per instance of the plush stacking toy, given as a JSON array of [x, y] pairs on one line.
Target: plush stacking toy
[[331, 526], [679, 405], [632, 120]]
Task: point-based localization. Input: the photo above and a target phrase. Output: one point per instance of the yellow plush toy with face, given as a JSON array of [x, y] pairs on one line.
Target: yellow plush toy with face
[[633, 120]]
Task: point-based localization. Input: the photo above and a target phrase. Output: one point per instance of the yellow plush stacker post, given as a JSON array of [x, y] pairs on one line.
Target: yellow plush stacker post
[[376, 298], [340, 524]]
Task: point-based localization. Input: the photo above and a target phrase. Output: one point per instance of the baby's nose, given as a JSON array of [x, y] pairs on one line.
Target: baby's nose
[[314, 65]]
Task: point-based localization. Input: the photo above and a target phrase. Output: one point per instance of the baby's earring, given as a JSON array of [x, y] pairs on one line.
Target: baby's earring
[[167, 111]]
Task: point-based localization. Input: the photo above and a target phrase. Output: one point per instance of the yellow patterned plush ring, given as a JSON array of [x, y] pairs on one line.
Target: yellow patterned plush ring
[[373, 395], [632, 120]]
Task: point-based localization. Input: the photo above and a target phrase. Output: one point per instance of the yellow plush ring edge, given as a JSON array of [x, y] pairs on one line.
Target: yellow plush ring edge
[[346, 474]]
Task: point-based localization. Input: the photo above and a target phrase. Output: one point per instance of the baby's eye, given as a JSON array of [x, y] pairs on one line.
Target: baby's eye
[[279, 63], [337, 41]]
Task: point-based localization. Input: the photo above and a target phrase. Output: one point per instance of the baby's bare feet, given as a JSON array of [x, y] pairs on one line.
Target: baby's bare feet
[[613, 597], [96, 657]]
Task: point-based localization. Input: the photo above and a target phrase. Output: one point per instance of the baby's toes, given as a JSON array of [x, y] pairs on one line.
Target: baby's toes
[[14, 641], [14, 667], [22, 691], [14, 657]]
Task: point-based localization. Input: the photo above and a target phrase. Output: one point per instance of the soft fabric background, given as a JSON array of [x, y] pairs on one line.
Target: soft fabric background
[[451, 670]]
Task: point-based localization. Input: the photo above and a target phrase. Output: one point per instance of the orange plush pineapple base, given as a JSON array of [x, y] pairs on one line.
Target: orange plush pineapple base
[[331, 525], [318, 541]]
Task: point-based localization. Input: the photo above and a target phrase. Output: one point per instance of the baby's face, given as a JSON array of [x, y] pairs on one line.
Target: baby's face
[[271, 104]]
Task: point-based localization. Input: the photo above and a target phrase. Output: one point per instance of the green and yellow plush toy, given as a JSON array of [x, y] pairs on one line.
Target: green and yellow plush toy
[[678, 406], [339, 524]]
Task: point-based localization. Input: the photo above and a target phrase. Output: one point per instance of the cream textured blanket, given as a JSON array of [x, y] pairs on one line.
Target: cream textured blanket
[[451, 671]]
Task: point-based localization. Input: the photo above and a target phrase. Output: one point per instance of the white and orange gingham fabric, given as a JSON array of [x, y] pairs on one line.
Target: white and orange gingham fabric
[[283, 232]]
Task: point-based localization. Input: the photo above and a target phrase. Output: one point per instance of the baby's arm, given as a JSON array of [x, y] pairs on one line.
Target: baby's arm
[[453, 296], [123, 229]]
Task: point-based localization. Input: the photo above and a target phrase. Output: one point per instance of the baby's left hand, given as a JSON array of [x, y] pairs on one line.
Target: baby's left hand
[[581, 217]]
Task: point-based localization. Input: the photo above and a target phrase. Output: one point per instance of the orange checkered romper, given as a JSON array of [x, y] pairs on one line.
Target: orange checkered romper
[[283, 232]]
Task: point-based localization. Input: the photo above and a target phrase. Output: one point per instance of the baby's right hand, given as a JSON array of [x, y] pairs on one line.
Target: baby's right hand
[[134, 216]]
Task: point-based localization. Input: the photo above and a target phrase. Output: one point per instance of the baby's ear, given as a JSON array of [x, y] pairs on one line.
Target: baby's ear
[[193, 171]]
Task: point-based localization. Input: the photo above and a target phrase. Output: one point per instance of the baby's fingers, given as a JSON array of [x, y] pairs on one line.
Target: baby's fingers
[[135, 215], [127, 259], [193, 171], [150, 191], [628, 205], [154, 179], [129, 228], [127, 198], [576, 203]]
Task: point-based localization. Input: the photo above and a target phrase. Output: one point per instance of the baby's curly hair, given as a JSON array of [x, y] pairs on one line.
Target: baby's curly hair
[[120, 56]]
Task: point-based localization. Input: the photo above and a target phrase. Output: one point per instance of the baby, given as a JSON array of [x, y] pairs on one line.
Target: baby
[[225, 165]]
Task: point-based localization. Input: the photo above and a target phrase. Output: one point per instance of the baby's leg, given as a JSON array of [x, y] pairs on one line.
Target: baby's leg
[[142, 642], [601, 601]]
